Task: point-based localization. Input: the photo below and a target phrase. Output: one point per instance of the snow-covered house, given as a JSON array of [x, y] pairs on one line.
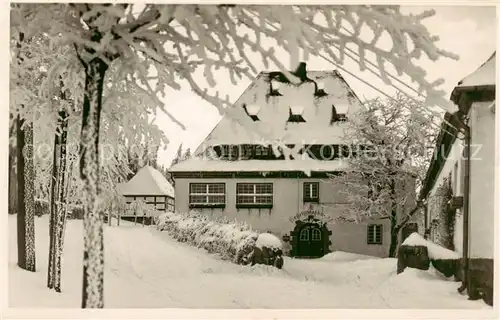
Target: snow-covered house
[[475, 96], [246, 181], [150, 186]]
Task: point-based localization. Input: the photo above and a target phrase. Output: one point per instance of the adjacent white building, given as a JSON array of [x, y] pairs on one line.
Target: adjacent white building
[[475, 96]]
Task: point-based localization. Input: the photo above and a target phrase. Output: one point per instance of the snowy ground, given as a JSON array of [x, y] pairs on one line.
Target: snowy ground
[[145, 268]]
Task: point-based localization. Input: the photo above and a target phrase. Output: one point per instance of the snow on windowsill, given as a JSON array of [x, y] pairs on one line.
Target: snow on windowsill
[[435, 251]]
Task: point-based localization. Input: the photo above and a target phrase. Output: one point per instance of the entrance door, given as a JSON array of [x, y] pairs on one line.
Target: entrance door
[[310, 242]]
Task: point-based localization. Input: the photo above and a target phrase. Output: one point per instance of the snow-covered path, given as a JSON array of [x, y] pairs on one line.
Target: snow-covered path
[[145, 268]]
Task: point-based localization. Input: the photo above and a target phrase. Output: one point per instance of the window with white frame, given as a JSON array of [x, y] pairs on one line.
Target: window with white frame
[[374, 234], [254, 194], [311, 192], [207, 194]]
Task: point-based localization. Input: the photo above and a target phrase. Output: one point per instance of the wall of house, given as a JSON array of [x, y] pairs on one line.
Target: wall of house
[[481, 220], [453, 167], [287, 202]]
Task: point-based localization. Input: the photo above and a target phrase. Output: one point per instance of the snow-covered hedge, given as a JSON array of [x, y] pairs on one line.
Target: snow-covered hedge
[[233, 241], [435, 251], [417, 252]]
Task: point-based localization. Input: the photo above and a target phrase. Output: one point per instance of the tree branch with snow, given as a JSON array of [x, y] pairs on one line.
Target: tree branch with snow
[[392, 142]]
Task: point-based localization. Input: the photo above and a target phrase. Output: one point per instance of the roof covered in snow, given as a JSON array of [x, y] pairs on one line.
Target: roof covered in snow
[[148, 182], [271, 100], [485, 75], [483, 79], [207, 165]]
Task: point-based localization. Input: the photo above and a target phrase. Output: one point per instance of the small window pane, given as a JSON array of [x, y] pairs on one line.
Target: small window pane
[[264, 199], [197, 199], [264, 188], [198, 188], [244, 188], [216, 188], [244, 199], [316, 234], [304, 235], [261, 150], [216, 199]]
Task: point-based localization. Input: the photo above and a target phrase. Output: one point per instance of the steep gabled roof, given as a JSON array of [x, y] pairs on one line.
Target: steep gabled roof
[[147, 182], [274, 110], [485, 75]]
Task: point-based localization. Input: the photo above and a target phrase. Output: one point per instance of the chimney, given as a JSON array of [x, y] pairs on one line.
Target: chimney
[[301, 71]]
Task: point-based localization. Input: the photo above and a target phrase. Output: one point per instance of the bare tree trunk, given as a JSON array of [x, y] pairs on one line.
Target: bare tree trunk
[[25, 198], [403, 222], [394, 221], [93, 256], [12, 172], [52, 218], [59, 197]]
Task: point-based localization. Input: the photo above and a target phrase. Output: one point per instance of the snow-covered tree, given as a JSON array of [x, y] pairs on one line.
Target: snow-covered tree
[[24, 168], [186, 154], [178, 156], [391, 142], [55, 110], [170, 43]]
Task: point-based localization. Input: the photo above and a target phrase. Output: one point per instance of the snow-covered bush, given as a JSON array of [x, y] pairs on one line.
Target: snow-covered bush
[[231, 240], [444, 260], [268, 250]]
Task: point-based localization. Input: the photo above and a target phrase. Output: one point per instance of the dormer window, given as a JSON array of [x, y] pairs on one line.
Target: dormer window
[[295, 114], [337, 117], [341, 117], [274, 88], [319, 89], [261, 151], [229, 152], [252, 110]]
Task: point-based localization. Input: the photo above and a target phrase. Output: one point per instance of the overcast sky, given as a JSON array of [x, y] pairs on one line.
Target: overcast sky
[[468, 31]]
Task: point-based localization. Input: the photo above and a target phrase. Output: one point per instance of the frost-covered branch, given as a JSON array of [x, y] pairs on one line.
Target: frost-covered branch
[[216, 37]]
